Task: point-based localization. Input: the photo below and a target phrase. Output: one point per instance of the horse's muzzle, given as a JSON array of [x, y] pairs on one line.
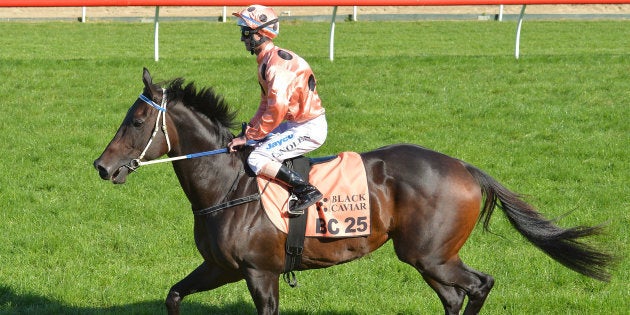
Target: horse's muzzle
[[118, 175]]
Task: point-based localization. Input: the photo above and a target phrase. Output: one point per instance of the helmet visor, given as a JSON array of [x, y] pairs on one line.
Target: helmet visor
[[241, 22]]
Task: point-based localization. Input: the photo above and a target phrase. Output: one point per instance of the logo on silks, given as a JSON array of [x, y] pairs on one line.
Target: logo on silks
[[342, 214], [285, 145], [279, 142]]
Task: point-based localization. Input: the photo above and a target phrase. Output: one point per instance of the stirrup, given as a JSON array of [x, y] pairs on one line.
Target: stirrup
[[293, 200]]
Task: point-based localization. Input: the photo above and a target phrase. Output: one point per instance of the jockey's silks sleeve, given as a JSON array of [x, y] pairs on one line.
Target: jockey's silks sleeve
[[287, 91]]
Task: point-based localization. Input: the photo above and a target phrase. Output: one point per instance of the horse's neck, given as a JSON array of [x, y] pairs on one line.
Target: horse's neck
[[194, 133], [205, 180]]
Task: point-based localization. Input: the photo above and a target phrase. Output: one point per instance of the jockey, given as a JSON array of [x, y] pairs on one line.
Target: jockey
[[290, 120]]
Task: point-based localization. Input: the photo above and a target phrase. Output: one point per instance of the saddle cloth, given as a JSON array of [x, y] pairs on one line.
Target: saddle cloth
[[343, 212]]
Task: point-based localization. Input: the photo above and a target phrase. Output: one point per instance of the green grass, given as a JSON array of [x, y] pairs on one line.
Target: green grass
[[552, 125]]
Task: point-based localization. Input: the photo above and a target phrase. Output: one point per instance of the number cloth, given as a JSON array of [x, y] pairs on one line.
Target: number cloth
[[343, 212]]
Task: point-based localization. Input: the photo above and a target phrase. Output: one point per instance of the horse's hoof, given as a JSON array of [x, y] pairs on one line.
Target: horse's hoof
[[173, 300]]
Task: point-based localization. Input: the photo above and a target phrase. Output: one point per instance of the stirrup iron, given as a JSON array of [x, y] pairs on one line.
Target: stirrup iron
[[293, 200]]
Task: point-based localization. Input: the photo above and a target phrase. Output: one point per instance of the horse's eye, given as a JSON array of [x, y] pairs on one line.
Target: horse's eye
[[138, 122]]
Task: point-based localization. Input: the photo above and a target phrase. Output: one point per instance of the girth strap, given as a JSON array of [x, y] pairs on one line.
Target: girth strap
[[227, 204], [297, 228], [294, 248]]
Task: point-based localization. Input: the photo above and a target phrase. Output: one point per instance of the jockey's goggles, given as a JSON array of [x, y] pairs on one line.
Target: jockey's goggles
[[247, 31]]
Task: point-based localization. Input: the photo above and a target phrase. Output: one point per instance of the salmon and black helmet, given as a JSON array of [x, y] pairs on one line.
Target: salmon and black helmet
[[258, 19]]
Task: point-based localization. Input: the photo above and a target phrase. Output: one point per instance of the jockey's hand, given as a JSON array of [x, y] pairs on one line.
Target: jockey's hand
[[236, 143]]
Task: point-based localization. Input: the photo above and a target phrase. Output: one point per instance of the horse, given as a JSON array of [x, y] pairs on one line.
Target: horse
[[425, 202]]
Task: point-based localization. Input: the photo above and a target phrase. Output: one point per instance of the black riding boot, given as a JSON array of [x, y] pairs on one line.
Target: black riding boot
[[306, 193]]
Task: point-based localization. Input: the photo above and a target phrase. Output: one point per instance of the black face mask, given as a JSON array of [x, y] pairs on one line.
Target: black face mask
[[248, 33]]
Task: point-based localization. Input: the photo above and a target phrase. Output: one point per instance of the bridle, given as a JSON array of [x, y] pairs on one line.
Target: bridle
[[136, 163], [161, 117]]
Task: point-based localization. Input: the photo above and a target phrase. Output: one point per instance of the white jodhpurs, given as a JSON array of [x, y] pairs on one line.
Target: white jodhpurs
[[288, 141]]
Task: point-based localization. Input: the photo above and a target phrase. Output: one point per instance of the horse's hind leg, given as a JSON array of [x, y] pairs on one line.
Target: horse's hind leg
[[452, 298], [205, 277], [430, 243], [477, 296], [453, 280]]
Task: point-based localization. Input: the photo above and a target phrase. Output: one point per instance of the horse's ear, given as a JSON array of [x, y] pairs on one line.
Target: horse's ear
[[148, 83], [146, 78]]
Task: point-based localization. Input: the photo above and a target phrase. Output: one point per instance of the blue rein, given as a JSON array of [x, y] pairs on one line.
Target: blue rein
[[137, 162]]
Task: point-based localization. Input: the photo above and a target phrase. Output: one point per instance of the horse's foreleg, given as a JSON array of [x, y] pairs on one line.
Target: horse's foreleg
[[264, 289], [205, 277]]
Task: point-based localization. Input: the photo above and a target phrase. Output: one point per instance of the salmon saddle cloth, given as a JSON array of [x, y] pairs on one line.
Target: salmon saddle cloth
[[343, 212]]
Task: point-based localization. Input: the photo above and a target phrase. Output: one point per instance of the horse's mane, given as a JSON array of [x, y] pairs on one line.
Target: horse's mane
[[204, 101]]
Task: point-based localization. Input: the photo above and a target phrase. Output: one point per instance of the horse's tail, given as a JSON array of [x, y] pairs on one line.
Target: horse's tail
[[562, 245]]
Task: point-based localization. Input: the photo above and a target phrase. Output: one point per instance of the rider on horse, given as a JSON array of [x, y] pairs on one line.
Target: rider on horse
[[290, 120]]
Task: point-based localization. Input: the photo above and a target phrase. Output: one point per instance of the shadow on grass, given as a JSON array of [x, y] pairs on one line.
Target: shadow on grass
[[12, 303]]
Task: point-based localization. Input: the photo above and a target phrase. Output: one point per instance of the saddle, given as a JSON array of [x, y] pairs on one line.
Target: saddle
[[343, 212]]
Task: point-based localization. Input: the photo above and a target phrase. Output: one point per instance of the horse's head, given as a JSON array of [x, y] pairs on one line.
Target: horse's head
[[141, 136]]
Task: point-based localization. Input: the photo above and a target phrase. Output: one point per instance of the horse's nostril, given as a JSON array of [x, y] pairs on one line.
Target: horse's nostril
[[102, 171]]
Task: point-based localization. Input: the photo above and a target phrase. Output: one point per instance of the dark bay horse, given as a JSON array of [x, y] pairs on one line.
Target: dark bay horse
[[426, 202]]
